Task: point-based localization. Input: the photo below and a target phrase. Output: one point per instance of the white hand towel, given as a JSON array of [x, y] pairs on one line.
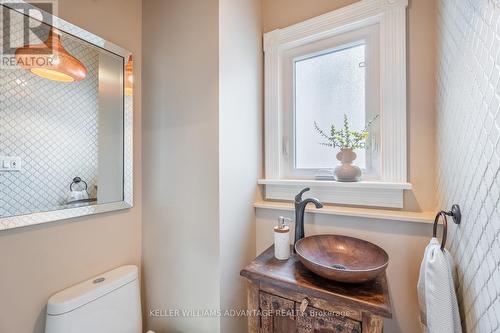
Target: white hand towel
[[77, 195], [436, 292]]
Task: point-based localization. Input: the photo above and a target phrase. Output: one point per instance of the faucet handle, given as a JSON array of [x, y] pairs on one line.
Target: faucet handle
[[298, 197]]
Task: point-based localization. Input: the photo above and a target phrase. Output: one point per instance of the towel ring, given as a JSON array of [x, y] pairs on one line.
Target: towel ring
[[77, 180], [455, 213]]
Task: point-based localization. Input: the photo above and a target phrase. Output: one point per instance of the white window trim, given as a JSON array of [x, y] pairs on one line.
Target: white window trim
[[391, 17]]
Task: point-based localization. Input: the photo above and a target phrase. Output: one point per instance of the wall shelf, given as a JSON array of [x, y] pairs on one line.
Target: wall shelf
[[380, 214]]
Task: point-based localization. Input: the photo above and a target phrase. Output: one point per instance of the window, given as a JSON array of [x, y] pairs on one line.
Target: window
[[322, 82], [327, 86], [350, 61]]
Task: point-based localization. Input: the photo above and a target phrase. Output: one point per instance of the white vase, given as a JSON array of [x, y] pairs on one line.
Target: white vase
[[347, 172]]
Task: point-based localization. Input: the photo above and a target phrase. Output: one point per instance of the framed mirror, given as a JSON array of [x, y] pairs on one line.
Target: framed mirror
[[66, 120]]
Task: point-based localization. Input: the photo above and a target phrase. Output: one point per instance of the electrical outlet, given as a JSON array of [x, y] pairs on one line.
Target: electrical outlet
[[10, 163]]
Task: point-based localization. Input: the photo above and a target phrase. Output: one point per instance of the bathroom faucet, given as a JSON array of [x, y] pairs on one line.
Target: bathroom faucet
[[300, 209]]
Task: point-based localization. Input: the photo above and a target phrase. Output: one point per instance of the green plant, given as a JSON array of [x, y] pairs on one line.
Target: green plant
[[344, 138]]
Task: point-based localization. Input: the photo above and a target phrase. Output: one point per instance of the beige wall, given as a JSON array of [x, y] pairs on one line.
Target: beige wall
[[421, 109], [282, 13], [36, 262], [181, 262], [240, 137], [202, 135], [421, 54]]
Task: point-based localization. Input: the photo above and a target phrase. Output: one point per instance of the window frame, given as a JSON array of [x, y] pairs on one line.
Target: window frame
[[367, 36], [390, 16]]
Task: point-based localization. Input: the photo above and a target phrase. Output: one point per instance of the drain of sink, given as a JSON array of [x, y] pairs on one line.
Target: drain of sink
[[339, 266]]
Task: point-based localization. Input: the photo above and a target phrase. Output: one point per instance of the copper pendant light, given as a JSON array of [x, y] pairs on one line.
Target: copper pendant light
[[50, 60], [129, 77]]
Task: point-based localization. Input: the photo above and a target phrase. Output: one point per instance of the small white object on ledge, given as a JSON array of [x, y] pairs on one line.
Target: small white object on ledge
[[324, 174], [282, 239]]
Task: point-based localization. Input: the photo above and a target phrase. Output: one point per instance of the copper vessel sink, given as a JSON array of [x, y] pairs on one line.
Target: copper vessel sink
[[342, 258]]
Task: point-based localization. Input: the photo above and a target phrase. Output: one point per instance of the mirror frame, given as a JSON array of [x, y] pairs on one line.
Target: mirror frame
[[67, 213]]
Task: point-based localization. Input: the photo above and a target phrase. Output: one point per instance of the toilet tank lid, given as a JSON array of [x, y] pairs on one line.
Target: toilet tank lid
[[90, 290]]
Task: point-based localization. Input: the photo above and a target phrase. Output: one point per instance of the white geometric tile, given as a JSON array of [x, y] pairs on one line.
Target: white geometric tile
[[468, 123]]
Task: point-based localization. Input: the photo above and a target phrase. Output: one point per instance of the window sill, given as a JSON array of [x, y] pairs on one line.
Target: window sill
[[379, 214], [364, 193]]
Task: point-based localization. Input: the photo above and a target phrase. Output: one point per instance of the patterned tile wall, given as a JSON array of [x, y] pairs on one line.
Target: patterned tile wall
[[52, 126], [468, 131]]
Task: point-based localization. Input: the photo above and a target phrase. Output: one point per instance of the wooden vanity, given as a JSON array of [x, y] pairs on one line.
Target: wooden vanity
[[285, 297]]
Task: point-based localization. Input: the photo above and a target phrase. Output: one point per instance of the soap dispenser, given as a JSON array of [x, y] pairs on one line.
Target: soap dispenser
[[282, 239]]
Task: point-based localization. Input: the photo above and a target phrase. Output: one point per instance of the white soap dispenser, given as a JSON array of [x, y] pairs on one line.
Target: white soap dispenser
[[282, 239]]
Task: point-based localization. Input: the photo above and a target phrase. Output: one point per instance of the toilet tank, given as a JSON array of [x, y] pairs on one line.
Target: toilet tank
[[106, 303]]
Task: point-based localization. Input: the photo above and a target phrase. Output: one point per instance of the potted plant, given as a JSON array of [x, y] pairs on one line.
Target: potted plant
[[347, 141]]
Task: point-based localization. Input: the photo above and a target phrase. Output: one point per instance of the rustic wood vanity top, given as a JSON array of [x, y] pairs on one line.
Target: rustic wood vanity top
[[372, 297]]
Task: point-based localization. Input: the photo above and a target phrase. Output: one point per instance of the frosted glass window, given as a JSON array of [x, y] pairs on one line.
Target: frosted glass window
[[327, 86]]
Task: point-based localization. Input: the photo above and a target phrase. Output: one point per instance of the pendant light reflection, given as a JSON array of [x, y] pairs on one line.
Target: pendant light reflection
[[129, 77], [50, 60]]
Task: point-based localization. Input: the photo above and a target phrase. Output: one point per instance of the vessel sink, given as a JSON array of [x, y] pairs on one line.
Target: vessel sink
[[342, 258]]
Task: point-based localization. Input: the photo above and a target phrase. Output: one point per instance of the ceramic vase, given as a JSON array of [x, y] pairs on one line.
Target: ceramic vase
[[347, 172]]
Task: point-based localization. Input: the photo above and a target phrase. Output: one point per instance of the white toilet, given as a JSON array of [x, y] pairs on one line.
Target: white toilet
[[108, 303]]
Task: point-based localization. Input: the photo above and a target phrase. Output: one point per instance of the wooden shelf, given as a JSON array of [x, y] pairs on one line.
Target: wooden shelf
[[380, 214]]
